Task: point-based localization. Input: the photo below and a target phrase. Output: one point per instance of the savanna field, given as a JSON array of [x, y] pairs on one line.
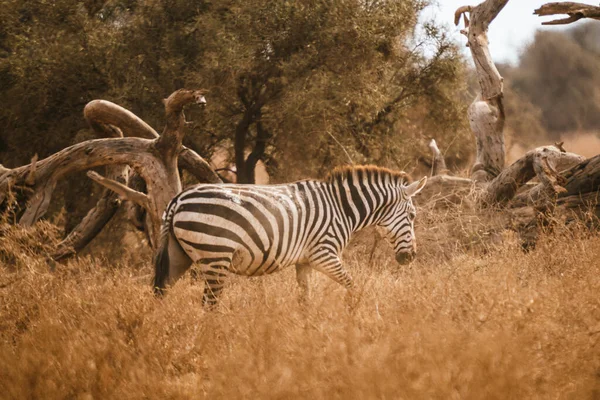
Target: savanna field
[[276, 91], [470, 318]]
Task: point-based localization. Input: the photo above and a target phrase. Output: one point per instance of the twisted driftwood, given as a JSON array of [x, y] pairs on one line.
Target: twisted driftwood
[[154, 158], [575, 11]]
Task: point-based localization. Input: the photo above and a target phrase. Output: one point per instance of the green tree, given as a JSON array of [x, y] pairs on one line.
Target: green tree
[[559, 73], [302, 85]]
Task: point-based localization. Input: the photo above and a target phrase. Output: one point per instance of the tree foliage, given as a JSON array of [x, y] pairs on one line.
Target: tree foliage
[[304, 85], [559, 73]]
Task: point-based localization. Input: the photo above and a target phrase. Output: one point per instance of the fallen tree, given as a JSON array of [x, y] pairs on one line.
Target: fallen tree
[[566, 182], [128, 143]]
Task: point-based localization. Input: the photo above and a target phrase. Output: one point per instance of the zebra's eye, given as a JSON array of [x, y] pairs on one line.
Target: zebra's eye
[[412, 215]]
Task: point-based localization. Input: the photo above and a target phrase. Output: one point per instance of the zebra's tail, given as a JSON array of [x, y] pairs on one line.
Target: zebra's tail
[[161, 260]]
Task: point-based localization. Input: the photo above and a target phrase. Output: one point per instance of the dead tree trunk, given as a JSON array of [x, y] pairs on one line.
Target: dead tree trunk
[[542, 163], [438, 166], [151, 156], [93, 222], [567, 182], [486, 113], [106, 207]]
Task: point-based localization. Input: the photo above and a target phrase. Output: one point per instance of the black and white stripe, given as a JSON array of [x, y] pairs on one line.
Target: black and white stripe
[[255, 230]]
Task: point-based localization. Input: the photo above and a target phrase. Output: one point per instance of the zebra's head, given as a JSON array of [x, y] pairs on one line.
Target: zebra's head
[[400, 223]]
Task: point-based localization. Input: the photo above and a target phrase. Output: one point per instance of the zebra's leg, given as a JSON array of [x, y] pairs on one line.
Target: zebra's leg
[[179, 261], [215, 277], [170, 262], [302, 275], [333, 268]]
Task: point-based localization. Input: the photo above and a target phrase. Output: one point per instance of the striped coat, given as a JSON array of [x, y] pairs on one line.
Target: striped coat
[[255, 230]]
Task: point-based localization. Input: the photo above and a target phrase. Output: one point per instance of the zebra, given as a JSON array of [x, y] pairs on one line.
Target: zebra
[[255, 230]]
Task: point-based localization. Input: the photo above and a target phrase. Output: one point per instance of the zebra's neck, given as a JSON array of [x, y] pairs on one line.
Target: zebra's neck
[[363, 199]]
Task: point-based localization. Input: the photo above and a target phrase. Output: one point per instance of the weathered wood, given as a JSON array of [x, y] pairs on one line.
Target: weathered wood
[[122, 190], [30, 180], [98, 112], [38, 203], [82, 156], [135, 213], [486, 113], [583, 178], [566, 181], [438, 165], [575, 11], [153, 157], [170, 141], [504, 187], [102, 114], [40, 200], [197, 166], [108, 203], [95, 220], [137, 152]]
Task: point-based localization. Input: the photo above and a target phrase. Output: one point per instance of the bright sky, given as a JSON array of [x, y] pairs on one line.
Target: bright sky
[[509, 32]]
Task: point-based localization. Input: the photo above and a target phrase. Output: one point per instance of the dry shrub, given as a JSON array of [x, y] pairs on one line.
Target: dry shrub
[[499, 324], [22, 248]]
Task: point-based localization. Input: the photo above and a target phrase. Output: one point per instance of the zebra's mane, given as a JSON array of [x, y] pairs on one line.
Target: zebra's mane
[[347, 170]]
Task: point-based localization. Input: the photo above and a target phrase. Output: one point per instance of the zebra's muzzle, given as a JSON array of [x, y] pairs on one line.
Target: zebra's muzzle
[[405, 258]]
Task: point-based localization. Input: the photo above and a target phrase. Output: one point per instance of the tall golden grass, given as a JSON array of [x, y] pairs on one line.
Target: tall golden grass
[[491, 324]]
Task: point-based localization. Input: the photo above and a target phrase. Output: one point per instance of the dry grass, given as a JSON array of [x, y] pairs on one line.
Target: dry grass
[[500, 325]]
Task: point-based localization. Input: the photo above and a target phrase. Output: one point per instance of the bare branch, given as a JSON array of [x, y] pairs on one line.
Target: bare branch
[[30, 180], [180, 98], [197, 166], [38, 203], [170, 140], [444, 190], [438, 165], [481, 16], [104, 116], [82, 156], [169, 144], [575, 11], [122, 190], [157, 168], [135, 213], [584, 177], [95, 219], [547, 175], [462, 11], [98, 112]]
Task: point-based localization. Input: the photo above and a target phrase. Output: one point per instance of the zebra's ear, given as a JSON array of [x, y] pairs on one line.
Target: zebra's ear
[[415, 187]]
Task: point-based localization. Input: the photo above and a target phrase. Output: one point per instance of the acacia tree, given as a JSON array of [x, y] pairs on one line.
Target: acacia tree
[[318, 83], [560, 76], [291, 83]]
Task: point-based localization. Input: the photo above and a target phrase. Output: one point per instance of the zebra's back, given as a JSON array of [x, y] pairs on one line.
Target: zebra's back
[[261, 228]]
